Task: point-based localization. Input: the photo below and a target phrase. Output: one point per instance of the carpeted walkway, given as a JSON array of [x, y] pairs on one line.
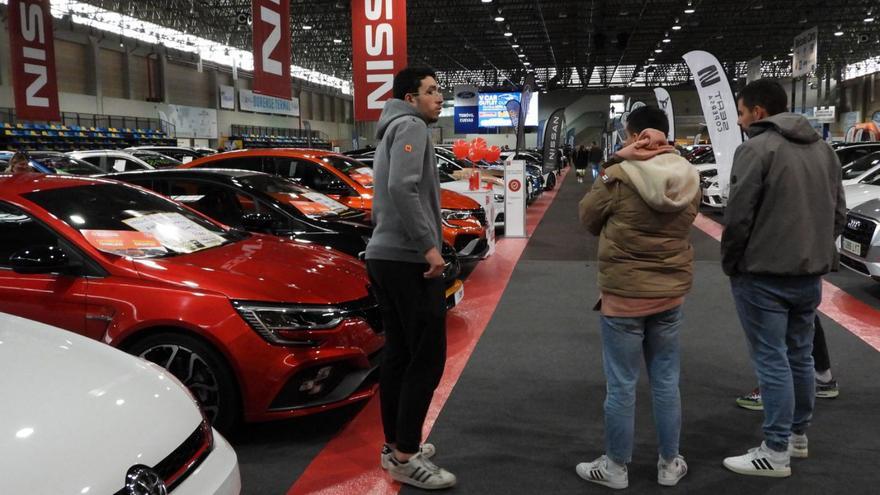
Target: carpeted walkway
[[528, 406]]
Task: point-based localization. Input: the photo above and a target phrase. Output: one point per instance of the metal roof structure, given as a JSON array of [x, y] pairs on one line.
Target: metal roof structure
[[573, 44]]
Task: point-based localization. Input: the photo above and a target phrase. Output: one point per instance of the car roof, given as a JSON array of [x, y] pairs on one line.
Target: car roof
[[17, 185], [224, 172]]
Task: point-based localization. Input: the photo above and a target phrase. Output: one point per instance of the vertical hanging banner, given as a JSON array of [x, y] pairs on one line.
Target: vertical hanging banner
[[272, 48], [553, 135], [527, 89], [32, 43], [805, 53], [466, 106], [665, 104], [378, 39], [719, 110]]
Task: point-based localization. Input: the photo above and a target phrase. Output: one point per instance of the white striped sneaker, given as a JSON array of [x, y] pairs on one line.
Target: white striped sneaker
[[761, 461], [599, 472], [427, 450], [420, 473], [798, 446]]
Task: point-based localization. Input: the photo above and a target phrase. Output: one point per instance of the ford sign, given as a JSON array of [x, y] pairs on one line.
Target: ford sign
[[466, 95]]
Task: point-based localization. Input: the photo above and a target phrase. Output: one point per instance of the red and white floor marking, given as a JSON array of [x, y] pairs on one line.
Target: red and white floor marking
[[349, 463], [854, 315]]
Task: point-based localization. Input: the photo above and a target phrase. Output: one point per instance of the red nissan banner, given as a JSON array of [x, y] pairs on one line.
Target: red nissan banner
[[272, 48], [32, 42], [378, 38]]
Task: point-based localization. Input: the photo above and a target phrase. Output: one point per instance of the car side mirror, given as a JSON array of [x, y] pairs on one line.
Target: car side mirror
[[339, 188], [41, 259], [256, 221]]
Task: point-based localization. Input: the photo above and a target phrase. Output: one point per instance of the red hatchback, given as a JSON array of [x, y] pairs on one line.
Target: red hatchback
[[256, 326]]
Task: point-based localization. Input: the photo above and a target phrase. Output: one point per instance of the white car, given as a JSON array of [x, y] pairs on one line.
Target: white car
[[111, 160], [79, 416], [857, 194], [463, 186], [712, 196]]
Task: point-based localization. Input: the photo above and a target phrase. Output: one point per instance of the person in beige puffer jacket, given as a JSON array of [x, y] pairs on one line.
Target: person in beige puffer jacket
[[642, 208]]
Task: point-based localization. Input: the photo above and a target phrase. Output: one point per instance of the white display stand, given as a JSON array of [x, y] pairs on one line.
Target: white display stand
[[485, 198], [515, 198]]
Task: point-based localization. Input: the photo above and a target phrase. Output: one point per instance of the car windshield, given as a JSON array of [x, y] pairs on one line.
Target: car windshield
[[125, 220], [444, 177], [157, 160], [66, 165], [860, 166], [310, 203], [359, 172]]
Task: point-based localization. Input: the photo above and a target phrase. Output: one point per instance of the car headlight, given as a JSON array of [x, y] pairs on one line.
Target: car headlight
[[499, 198], [447, 215], [285, 324]]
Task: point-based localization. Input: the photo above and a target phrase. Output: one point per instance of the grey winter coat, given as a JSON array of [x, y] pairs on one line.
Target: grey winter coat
[[786, 204]]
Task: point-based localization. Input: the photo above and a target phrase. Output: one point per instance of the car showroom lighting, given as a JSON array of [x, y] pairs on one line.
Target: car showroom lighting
[[486, 1], [499, 19], [838, 32], [527, 63], [514, 46], [659, 50], [677, 26], [869, 17], [666, 38], [306, 27], [521, 55], [508, 34], [337, 41], [689, 9], [651, 59]]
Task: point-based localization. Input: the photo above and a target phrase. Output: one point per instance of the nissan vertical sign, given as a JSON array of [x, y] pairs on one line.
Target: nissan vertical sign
[[32, 42], [272, 48], [378, 38]]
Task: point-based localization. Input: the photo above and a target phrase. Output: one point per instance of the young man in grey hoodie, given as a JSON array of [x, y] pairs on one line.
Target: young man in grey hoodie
[[786, 208], [405, 269]]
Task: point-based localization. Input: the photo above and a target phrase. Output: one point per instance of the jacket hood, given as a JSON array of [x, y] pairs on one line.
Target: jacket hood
[[667, 182], [393, 110], [792, 126]]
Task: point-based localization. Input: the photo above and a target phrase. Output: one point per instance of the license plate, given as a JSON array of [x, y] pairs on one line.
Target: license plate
[[852, 247], [459, 295]]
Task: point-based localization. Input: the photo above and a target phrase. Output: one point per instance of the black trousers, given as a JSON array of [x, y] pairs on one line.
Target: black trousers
[[414, 316], [821, 359]]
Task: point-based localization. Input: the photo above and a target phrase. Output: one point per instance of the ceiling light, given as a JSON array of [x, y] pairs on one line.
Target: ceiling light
[[666, 40], [870, 18], [527, 63], [651, 59], [514, 46], [659, 50], [306, 27], [689, 10], [838, 33], [487, 1], [499, 19], [676, 27], [521, 55], [337, 41], [508, 34]]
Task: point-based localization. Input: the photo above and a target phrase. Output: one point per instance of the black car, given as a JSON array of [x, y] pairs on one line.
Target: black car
[[269, 204]]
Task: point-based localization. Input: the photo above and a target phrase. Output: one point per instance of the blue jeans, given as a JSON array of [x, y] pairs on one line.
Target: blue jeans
[[624, 340], [777, 314]]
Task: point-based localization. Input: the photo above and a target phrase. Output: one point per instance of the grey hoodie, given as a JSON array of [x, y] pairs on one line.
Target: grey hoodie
[[786, 204], [406, 188]]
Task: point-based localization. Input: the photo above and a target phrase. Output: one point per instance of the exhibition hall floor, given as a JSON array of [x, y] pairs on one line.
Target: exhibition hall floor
[[521, 400]]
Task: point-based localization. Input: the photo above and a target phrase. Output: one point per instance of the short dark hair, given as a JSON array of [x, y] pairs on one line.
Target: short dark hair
[[647, 117], [409, 79], [765, 93]]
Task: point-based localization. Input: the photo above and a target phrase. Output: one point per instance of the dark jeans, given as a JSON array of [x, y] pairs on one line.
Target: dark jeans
[[778, 315], [414, 316]]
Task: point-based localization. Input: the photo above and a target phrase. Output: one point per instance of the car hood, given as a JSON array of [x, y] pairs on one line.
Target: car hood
[[857, 194], [868, 209], [455, 201], [77, 414], [265, 268]]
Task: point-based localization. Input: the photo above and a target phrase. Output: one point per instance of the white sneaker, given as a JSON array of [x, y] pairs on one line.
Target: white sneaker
[[761, 461], [420, 473], [599, 472], [427, 450], [798, 446], [670, 473]]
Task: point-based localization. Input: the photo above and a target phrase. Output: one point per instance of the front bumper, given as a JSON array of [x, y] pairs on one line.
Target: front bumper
[[454, 294], [217, 475], [712, 197]]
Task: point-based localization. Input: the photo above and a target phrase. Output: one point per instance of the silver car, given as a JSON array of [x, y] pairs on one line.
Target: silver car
[[860, 243]]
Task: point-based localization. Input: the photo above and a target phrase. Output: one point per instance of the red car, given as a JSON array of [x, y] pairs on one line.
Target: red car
[[351, 183], [256, 326]]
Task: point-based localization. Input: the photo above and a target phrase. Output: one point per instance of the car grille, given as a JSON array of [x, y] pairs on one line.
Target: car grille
[[462, 241], [854, 265], [185, 459], [325, 383], [859, 229]]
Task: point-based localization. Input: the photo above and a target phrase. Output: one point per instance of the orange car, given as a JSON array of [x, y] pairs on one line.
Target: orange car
[[351, 183]]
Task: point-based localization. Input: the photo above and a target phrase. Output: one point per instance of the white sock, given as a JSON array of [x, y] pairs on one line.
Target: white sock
[[824, 376]]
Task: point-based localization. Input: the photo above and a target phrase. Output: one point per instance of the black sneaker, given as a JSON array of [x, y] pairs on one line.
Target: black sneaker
[[827, 390]]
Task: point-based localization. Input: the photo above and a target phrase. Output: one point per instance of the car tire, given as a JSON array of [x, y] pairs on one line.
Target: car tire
[[551, 182], [200, 368]]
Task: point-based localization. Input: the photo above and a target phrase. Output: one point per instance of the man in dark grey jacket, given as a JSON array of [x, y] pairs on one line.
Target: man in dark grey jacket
[[785, 209], [405, 268]]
